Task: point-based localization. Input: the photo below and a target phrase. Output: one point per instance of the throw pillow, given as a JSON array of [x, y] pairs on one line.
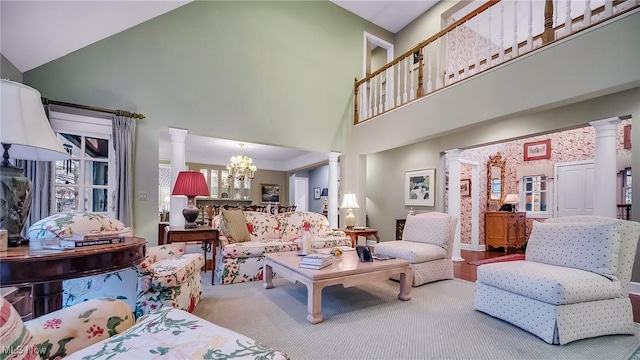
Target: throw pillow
[[234, 226], [68, 223], [16, 341], [593, 247]]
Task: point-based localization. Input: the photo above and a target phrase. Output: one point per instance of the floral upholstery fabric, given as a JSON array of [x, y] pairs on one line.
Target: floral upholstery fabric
[[427, 243], [588, 246], [66, 224], [174, 334], [561, 304], [104, 329], [66, 331], [15, 340], [291, 223], [240, 262], [169, 277], [120, 285]]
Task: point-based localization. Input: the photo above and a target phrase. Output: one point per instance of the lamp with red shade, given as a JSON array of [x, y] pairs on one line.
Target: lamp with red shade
[[190, 184]]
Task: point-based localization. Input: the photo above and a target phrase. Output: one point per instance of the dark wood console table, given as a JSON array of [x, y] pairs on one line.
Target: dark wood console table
[[45, 269], [206, 234]]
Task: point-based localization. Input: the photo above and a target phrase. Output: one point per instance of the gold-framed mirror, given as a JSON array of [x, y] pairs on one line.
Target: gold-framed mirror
[[495, 180]]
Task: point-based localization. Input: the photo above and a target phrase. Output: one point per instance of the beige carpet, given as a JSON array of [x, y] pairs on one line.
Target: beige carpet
[[369, 322]]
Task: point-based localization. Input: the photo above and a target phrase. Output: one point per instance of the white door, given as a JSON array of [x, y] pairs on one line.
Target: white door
[[574, 188], [302, 194]]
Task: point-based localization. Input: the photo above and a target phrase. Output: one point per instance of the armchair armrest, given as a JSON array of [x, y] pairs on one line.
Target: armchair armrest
[[65, 331], [157, 253]]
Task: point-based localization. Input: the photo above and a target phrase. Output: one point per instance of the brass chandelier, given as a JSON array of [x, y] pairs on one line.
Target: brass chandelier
[[241, 167]]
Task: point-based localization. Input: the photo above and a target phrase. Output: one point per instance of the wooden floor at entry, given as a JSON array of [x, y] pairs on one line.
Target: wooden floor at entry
[[464, 271]]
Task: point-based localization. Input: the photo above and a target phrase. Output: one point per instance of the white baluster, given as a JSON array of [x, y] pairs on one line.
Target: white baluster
[[514, 48], [477, 45], [555, 18], [362, 94], [430, 70], [438, 55], [370, 92], [587, 14], [530, 37], [389, 94], [489, 55], [375, 96], [406, 72], [398, 98], [501, 53], [412, 92], [608, 8], [567, 19], [380, 94]]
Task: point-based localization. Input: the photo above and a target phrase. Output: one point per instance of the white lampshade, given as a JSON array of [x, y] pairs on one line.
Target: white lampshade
[[24, 125], [349, 201], [511, 199]]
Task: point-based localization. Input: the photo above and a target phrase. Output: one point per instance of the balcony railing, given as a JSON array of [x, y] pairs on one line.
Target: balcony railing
[[491, 35]]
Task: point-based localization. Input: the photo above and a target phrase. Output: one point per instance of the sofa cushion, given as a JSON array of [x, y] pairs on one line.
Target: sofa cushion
[[14, 337], [414, 252], [291, 223], [262, 226], [234, 226], [428, 228], [256, 249], [593, 247], [67, 223], [175, 334], [551, 284]]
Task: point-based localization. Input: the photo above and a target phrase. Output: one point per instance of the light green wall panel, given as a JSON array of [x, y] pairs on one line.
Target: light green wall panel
[[271, 72], [8, 70]]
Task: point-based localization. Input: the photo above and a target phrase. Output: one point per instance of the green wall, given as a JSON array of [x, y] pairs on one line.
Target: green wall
[[9, 71], [269, 72]]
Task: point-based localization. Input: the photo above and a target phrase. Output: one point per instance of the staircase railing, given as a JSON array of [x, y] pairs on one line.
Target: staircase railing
[[487, 37]]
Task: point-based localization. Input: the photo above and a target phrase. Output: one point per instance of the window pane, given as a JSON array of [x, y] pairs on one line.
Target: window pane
[[67, 172], [96, 148], [97, 172], [96, 200], [213, 184], [66, 199]]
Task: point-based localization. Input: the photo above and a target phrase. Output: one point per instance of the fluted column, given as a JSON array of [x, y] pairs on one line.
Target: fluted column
[[332, 211], [178, 163], [604, 182], [453, 204]]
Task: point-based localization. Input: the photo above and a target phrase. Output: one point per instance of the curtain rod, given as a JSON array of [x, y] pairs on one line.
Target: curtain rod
[[92, 108]]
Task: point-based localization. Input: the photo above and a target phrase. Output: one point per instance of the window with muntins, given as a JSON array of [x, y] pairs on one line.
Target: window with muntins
[[536, 196]]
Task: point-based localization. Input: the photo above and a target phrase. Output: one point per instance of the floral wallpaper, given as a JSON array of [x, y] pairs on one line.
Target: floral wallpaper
[[566, 146]]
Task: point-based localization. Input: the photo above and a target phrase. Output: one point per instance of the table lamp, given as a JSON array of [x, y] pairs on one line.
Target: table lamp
[[25, 134], [190, 184], [512, 199], [325, 202], [349, 202]]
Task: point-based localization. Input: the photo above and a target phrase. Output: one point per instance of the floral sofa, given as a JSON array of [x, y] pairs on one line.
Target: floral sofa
[[105, 329], [241, 261], [167, 277]]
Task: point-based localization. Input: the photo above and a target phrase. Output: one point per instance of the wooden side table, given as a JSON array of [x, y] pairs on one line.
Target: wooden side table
[[207, 235], [353, 234]]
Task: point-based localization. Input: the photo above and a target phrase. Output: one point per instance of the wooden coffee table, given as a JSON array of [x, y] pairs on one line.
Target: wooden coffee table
[[346, 270]]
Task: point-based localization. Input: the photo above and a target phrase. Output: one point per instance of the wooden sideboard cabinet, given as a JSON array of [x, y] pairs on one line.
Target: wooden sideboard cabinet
[[505, 229]]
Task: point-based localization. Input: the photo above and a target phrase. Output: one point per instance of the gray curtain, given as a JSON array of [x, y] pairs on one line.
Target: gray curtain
[[39, 172], [124, 135]]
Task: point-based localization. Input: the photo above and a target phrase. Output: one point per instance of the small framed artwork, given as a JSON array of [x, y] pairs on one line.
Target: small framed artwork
[[627, 137], [269, 193], [537, 150], [316, 193], [419, 187], [465, 187]]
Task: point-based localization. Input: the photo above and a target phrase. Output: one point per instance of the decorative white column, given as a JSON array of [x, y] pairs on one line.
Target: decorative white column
[[453, 156], [332, 211], [177, 203], [604, 182]]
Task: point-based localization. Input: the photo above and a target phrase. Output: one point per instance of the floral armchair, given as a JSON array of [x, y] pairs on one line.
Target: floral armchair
[[104, 329]]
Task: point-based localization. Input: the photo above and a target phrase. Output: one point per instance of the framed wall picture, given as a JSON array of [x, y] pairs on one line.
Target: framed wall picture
[[537, 150], [627, 137], [465, 187], [316, 193], [269, 193], [419, 187]]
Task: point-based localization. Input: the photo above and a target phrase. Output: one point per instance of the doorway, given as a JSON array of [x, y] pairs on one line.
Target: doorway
[[574, 188], [301, 194]]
